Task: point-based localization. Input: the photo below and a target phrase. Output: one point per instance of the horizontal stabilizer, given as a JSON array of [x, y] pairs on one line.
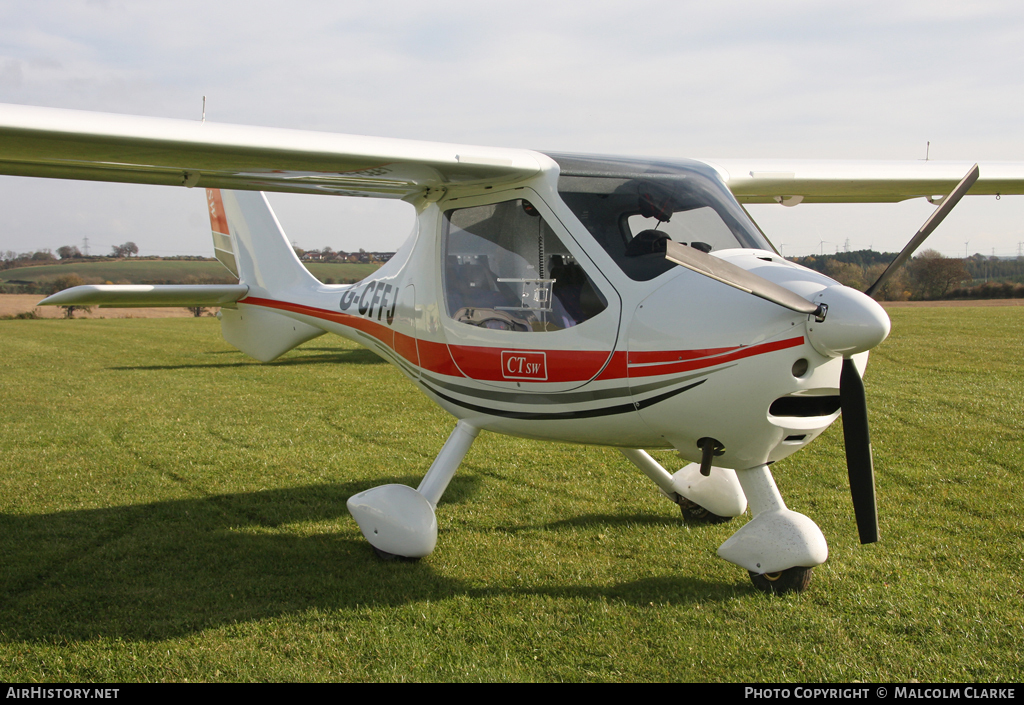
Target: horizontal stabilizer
[[147, 295]]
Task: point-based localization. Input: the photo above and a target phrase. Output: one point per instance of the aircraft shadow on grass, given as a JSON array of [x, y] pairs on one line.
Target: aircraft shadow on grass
[[168, 569]]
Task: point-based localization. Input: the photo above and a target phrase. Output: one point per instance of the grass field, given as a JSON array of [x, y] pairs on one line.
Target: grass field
[[174, 271], [170, 510]]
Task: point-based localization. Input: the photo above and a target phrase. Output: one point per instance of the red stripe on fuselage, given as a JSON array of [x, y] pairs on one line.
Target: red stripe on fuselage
[[435, 357], [432, 356], [484, 364], [378, 330], [687, 365], [617, 368], [642, 357]]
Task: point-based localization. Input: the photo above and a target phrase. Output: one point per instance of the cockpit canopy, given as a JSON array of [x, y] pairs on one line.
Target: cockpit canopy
[[632, 206]]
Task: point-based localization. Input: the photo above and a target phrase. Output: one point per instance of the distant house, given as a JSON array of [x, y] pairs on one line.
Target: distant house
[[355, 257]]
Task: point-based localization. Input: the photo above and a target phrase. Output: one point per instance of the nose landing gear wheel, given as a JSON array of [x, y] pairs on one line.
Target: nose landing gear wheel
[[692, 510], [392, 557], [785, 581]]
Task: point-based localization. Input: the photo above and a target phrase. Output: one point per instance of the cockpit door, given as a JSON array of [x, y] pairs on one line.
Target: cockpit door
[[523, 308]]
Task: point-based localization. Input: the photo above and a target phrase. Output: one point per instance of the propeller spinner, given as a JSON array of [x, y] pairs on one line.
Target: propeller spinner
[[855, 324]]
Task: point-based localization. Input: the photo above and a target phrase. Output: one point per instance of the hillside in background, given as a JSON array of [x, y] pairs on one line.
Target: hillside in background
[[36, 279]]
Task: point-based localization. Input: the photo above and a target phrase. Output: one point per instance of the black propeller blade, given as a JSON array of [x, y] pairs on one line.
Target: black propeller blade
[[857, 439]]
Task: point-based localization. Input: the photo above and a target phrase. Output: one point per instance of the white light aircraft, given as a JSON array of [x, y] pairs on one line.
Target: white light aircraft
[[539, 295]]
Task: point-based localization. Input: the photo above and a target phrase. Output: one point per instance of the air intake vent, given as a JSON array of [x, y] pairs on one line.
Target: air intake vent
[[805, 406]]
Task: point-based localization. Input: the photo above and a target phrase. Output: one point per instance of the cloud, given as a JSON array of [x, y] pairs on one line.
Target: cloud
[[673, 79]]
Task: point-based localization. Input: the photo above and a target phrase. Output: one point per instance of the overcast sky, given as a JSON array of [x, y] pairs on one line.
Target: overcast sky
[[873, 80]]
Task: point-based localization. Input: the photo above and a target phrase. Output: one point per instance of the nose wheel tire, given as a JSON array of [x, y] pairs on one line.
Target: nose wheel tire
[[783, 582], [392, 557], [692, 510]]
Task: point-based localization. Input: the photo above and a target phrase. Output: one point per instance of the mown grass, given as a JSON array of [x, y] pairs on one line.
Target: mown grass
[[170, 510]]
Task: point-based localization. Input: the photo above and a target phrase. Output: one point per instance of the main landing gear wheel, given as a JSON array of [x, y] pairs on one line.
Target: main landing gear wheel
[[692, 510], [785, 581]]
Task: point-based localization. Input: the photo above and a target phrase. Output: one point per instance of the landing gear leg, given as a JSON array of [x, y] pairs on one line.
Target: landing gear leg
[[399, 521], [713, 499], [778, 546]]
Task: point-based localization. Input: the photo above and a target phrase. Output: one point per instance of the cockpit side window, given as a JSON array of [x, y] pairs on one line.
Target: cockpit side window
[[506, 269], [632, 208]]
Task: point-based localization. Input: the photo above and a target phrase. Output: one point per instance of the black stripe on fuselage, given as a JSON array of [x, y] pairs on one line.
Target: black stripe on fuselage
[[547, 398], [570, 415]]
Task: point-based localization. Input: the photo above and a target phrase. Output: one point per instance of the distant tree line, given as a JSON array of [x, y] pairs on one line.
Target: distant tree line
[[927, 276], [988, 269], [11, 259]]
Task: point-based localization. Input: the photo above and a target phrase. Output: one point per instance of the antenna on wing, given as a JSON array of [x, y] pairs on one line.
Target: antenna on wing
[[204, 109]]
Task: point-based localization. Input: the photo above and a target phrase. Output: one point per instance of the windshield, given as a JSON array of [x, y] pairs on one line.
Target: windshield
[[632, 207]]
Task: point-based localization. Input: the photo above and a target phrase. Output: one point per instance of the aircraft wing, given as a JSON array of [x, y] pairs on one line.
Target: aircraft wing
[[73, 144], [832, 181]]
